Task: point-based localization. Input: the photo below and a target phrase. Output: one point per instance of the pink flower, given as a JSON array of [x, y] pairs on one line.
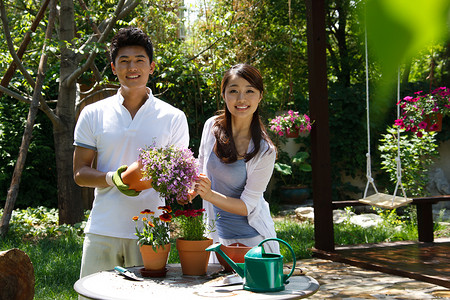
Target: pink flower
[[399, 122], [408, 98], [423, 125]]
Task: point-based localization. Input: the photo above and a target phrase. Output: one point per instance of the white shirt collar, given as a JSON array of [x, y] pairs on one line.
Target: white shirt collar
[[149, 96]]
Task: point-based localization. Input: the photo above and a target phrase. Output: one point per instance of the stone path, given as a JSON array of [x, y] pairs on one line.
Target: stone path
[[342, 281]]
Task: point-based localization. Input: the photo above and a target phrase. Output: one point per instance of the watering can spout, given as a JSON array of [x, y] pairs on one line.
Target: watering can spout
[[216, 248]]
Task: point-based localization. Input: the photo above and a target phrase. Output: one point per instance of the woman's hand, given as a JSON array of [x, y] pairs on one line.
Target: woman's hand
[[191, 195], [203, 187]]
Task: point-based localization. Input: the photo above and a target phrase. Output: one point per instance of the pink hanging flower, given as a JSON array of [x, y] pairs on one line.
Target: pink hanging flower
[[417, 110], [286, 123]]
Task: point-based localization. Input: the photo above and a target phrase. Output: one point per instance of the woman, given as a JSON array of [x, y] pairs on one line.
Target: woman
[[236, 158]]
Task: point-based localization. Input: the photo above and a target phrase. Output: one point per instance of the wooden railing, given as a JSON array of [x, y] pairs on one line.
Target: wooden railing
[[425, 225]]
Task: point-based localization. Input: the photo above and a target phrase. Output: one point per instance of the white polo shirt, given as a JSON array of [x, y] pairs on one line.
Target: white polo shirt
[[107, 127]]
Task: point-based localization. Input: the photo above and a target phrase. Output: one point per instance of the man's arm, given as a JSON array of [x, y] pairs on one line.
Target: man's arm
[[83, 172]]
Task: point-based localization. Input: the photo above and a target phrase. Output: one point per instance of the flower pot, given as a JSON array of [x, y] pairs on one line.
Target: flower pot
[[434, 122], [294, 194], [193, 257], [292, 133], [155, 260], [235, 252], [132, 176]]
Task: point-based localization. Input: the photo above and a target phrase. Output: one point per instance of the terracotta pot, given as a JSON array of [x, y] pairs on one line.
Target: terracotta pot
[[155, 260], [293, 133], [236, 252], [193, 257], [434, 119], [132, 176]]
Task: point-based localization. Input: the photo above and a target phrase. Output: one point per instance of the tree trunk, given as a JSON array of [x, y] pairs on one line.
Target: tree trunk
[[69, 194], [16, 275]]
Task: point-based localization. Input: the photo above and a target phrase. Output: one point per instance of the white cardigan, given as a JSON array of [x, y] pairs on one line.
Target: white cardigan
[[259, 171]]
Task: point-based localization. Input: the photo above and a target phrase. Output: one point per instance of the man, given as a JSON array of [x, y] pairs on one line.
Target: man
[[114, 129]]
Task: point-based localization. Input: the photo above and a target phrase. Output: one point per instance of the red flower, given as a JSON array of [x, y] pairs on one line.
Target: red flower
[[147, 212], [166, 208], [434, 127], [423, 125], [165, 217], [151, 224], [135, 218]]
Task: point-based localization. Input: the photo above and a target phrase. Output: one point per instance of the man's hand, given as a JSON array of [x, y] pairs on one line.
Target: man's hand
[[122, 187]]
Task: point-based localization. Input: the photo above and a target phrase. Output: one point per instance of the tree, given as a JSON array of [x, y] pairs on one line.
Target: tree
[[77, 55]]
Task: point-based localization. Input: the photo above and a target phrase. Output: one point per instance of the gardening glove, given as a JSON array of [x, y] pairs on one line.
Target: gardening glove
[[122, 187]]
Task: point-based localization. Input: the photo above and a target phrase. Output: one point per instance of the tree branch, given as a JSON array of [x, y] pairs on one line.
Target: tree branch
[[77, 73], [212, 44], [15, 95], [44, 107], [13, 53], [12, 67]]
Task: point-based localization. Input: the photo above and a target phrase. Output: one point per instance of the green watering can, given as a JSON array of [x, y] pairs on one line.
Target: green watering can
[[261, 271]]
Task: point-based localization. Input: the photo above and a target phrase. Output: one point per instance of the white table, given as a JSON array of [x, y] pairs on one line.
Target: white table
[[110, 285]]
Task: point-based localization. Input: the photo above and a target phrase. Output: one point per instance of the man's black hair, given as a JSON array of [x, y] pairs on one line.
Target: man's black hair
[[130, 36]]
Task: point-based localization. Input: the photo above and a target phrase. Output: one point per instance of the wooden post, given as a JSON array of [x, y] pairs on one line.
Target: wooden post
[[320, 136]]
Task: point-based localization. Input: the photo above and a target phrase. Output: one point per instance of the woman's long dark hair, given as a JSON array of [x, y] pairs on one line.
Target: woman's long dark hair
[[225, 148]]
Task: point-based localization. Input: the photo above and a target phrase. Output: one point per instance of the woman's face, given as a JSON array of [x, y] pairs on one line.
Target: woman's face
[[241, 97]]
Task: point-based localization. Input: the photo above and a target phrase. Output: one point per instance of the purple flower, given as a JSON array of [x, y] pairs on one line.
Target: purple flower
[[172, 169]]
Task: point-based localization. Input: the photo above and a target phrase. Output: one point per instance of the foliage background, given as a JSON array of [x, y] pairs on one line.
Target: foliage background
[[264, 33]]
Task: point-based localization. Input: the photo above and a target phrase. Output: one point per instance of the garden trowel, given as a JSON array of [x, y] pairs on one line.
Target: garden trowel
[[127, 274]]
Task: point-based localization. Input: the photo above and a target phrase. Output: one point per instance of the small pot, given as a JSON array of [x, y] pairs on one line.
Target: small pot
[[193, 256], [292, 133], [234, 251], [132, 176], [154, 260]]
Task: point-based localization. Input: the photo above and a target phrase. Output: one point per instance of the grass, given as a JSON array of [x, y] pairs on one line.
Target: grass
[[55, 251]]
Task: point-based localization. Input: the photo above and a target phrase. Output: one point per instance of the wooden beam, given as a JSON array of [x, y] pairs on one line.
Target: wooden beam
[[320, 135]]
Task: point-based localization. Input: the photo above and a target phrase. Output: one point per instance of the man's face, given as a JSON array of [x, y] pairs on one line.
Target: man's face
[[132, 67]]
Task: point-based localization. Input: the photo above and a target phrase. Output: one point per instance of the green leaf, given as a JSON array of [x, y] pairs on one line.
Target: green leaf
[[283, 168]]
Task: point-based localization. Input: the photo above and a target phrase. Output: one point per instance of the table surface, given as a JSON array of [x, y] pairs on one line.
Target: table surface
[[110, 285]]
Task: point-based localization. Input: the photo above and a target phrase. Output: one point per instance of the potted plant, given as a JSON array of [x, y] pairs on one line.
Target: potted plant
[[424, 112], [293, 173], [192, 242], [172, 171], [153, 238], [290, 124]]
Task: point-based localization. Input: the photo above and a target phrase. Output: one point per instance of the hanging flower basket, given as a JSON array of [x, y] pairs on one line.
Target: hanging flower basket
[[424, 112], [291, 124]]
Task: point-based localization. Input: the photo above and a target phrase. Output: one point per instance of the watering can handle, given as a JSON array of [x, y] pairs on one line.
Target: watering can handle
[[290, 248]]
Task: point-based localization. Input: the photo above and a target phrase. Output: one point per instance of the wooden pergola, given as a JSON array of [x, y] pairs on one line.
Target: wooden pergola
[[437, 269]]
